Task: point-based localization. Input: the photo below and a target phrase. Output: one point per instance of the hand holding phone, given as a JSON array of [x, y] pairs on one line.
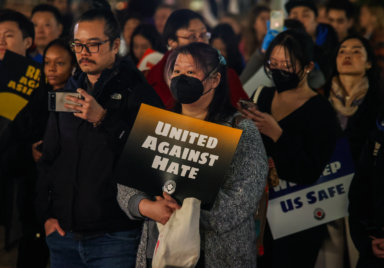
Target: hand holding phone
[[87, 108], [57, 101], [246, 104]]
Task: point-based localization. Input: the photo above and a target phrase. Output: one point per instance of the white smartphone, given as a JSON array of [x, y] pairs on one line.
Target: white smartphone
[[56, 101], [277, 20]]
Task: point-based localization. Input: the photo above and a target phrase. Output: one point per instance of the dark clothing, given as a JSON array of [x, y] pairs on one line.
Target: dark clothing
[[325, 45], [362, 123], [294, 251], [366, 200], [32, 249], [76, 185], [18, 175], [308, 140], [300, 155], [18, 170], [29, 124]]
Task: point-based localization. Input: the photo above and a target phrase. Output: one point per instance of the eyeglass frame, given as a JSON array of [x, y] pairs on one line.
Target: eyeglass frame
[[207, 36], [86, 45], [285, 65]]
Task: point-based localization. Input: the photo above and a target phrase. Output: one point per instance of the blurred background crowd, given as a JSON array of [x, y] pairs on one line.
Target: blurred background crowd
[[241, 31]]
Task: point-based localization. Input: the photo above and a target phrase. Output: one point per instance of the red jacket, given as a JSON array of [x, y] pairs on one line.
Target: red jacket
[[156, 80]]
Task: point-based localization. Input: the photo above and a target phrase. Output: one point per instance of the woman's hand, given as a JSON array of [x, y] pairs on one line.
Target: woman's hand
[[88, 108], [265, 122], [378, 247], [159, 210]]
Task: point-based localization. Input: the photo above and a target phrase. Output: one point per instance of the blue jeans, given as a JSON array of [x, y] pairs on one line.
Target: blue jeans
[[117, 250]]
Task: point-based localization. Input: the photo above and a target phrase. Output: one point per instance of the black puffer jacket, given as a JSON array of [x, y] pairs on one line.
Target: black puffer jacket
[[76, 185]]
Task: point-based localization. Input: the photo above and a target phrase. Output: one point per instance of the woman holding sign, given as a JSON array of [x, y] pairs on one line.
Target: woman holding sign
[[299, 130], [228, 239]]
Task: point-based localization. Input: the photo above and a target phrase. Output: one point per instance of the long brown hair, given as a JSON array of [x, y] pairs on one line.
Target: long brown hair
[[250, 36]]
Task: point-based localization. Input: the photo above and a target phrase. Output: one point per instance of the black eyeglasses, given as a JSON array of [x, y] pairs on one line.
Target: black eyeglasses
[[91, 47]]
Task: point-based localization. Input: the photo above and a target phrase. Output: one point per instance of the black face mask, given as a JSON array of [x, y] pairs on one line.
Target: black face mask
[[186, 89], [284, 80]]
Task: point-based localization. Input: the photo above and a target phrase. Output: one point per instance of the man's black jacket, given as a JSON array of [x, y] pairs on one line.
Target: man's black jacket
[[76, 184]]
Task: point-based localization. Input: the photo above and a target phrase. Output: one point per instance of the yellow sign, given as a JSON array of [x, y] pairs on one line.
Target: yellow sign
[[170, 151]]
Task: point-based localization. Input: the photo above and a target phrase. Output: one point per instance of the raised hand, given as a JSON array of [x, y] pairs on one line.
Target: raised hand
[[87, 108]]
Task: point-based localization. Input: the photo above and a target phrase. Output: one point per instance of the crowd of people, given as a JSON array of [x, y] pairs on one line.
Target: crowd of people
[[294, 91]]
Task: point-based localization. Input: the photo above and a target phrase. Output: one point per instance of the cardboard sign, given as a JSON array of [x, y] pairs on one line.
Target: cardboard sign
[[294, 208], [184, 156], [19, 77]]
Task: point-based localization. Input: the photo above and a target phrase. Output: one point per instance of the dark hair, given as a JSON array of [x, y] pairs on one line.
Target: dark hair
[[127, 15], [298, 47], [48, 8], [111, 28], [64, 44], [372, 72], [251, 42], [208, 60], [294, 24], [301, 3], [100, 4], [25, 25], [179, 19], [227, 35], [343, 5], [149, 32]]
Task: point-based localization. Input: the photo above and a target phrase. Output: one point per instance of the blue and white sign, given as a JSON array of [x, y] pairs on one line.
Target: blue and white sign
[[294, 208]]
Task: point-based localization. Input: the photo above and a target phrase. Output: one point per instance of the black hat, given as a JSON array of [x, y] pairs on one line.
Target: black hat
[[296, 3]]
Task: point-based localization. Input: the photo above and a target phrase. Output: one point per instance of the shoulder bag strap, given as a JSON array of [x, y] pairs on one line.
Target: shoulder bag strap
[[257, 93]]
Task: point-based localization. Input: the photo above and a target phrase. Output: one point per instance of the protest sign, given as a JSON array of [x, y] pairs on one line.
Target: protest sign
[[19, 77], [184, 156], [294, 208]]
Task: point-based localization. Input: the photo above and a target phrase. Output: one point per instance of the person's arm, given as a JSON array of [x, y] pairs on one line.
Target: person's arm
[[116, 123], [138, 205], [45, 170], [237, 199], [300, 157], [129, 200]]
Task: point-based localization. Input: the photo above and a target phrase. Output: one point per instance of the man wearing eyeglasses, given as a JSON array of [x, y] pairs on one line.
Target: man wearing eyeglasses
[[76, 192], [183, 27]]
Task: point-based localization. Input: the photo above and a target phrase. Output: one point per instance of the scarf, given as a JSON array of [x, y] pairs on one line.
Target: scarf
[[343, 103]]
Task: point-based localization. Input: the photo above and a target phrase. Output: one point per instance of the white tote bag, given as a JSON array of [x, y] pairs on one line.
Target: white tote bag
[[178, 244]]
